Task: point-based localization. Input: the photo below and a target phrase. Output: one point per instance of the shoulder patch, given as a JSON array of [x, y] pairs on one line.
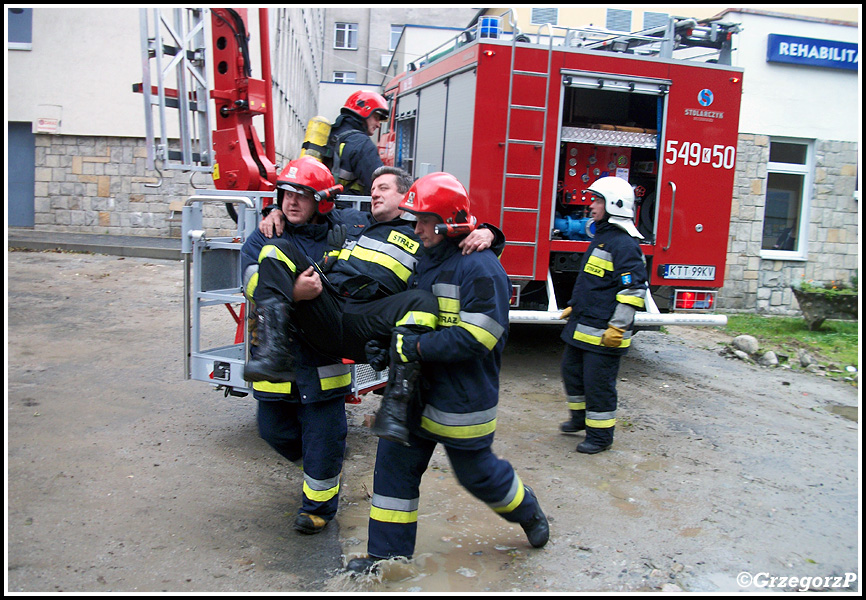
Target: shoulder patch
[[484, 288], [626, 278]]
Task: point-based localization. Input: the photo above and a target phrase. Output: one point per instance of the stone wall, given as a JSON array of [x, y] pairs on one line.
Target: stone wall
[[755, 284], [100, 185]]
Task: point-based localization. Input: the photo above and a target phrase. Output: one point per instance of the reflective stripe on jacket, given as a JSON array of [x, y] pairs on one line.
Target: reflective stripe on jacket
[[611, 286], [461, 360], [377, 262]]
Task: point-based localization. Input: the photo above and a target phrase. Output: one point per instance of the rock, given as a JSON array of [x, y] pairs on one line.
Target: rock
[[768, 359], [746, 343], [671, 587], [806, 359], [742, 356]]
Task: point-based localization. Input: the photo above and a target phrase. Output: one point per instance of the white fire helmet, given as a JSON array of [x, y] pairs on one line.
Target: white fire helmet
[[618, 197]]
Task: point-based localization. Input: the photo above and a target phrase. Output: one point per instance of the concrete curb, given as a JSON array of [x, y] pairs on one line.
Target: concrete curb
[[116, 245]]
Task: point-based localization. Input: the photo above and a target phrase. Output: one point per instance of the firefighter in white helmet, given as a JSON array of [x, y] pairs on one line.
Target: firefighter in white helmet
[[611, 286]]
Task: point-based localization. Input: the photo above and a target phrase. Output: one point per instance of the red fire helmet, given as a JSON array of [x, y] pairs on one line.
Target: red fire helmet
[[442, 195], [306, 175], [364, 103]]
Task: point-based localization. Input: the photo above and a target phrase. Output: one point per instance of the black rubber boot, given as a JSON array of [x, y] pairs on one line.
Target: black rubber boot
[[597, 440], [537, 528], [273, 361], [391, 418], [576, 423], [309, 524], [364, 565]]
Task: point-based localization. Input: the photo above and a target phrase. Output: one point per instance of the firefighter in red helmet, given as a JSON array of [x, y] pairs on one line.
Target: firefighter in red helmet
[[355, 156], [459, 365], [301, 414], [352, 296]]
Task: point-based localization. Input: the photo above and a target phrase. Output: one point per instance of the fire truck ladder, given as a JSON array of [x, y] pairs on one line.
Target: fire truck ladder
[[178, 48], [514, 112]]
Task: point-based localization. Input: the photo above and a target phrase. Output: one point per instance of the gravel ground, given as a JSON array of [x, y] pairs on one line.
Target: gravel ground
[[123, 477]]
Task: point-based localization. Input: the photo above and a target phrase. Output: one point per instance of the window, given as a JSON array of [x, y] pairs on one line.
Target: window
[[540, 16], [346, 36], [20, 31], [396, 32], [618, 20], [786, 221], [344, 77], [404, 152], [654, 19]]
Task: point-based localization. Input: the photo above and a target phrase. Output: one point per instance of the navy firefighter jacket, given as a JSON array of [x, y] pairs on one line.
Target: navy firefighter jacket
[[377, 260], [460, 361], [358, 155], [611, 286], [317, 378]]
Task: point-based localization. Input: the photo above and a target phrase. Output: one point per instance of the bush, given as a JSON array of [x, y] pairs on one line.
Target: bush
[[830, 289]]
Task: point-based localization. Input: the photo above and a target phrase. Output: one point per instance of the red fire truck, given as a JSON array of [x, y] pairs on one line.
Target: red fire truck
[[527, 126]]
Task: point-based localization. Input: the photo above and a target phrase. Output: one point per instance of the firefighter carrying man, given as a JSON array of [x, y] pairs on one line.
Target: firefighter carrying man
[[346, 147], [353, 288], [302, 414], [610, 288], [460, 363]]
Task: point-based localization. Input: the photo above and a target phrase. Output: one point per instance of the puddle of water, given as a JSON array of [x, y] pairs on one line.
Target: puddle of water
[[848, 412], [462, 545]]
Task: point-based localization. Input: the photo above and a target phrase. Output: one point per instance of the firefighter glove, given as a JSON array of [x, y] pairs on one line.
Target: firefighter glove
[[404, 345], [252, 326], [565, 314], [612, 337], [336, 239], [378, 355]]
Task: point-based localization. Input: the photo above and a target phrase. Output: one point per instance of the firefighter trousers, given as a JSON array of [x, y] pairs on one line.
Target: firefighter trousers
[[337, 326], [589, 379], [393, 523], [316, 433]]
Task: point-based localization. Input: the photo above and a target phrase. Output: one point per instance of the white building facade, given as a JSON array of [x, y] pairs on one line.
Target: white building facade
[[796, 210], [76, 131]]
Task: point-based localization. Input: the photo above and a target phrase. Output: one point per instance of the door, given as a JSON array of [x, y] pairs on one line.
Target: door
[[697, 167], [21, 174]]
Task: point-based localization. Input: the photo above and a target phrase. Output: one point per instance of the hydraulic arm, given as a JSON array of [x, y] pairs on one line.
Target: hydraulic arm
[[241, 161]]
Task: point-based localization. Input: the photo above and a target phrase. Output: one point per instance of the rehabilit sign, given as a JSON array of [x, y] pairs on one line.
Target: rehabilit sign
[[812, 52]]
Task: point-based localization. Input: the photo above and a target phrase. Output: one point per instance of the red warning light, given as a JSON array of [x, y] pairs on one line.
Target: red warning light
[[694, 300]]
